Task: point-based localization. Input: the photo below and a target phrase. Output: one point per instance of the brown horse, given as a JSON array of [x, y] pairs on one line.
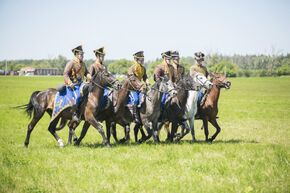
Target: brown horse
[[209, 109], [43, 101], [117, 111]]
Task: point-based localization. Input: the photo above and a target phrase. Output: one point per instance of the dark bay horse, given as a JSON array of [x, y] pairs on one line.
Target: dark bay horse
[[151, 108], [174, 110], [209, 108], [43, 101], [117, 110]]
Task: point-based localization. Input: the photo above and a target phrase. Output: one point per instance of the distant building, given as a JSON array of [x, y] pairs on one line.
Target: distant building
[[29, 71]]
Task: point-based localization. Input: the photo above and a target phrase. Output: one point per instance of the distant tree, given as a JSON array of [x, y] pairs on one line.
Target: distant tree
[[120, 66], [225, 66]]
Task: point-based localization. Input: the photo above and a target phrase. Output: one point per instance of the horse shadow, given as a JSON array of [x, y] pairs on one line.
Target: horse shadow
[[162, 143]]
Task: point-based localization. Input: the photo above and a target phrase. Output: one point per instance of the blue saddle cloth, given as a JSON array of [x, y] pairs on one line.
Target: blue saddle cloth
[[134, 98], [105, 98], [67, 98], [163, 99]]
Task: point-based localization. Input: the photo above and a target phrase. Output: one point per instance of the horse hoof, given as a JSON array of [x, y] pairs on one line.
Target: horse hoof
[[122, 141], [108, 145], [60, 143], [208, 141], [76, 143]]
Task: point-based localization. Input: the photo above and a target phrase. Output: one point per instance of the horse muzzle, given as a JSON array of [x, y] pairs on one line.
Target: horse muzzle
[[117, 85], [228, 85]]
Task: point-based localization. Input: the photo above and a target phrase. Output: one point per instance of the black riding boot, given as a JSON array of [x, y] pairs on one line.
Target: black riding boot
[[198, 113]]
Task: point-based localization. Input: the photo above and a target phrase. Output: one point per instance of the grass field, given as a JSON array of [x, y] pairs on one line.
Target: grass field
[[251, 154]]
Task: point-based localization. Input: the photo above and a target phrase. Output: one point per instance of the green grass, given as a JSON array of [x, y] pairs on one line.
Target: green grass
[[251, 154]]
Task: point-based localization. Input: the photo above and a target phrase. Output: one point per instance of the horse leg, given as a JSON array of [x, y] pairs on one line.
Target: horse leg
[[108, 130], [149, 129], [155, 132], [136, 130], [174, 127], [185, 128], [166, 127], [191, 125], [144, 136], [127, 134], [51, 129], [92, 120], [218, 129], [205, 126], [83, 133], [72, 134], [31, 125], [114, 132]]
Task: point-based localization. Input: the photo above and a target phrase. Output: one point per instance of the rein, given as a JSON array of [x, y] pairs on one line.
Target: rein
[[111, 84]]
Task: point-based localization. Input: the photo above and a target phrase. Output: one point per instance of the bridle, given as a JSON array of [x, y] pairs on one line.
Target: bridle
[[134, 88], [199, 80], [111, 84], [220, 81]]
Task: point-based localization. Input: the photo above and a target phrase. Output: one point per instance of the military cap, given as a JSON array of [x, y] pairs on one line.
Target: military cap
[[199, 56], [99, 51], [78, 49], [139, 54], [174, 54], [166, 54]]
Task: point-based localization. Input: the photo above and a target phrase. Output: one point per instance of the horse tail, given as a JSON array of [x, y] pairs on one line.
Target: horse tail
[[31, 106], [61, 125]]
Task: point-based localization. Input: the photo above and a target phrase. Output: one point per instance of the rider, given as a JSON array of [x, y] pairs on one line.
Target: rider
[[165, 69], [199, 67], [98, 64], [74, 73], [138, 70], [178, 71]]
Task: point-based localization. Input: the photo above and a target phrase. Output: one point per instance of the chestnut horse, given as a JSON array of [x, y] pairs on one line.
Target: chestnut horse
[[209, 109], [117, 111]]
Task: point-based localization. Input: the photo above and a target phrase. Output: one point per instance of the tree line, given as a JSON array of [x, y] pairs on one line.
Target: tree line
[[233, 66]]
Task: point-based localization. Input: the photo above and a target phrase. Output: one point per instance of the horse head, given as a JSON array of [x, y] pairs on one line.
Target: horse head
[[166, 85], [105, 79], [220, 80], [187, 82], [135, 84], [202, 81]]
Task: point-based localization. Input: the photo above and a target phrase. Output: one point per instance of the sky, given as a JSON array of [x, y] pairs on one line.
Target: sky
[[44, 29]]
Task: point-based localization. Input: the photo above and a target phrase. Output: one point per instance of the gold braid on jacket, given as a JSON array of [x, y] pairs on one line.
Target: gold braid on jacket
[[139, 70]]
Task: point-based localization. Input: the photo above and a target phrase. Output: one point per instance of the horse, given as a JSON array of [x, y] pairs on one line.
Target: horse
[[116, 112], [151, 107], [191, 105], [209, 109], [174, 110], [43, 101]]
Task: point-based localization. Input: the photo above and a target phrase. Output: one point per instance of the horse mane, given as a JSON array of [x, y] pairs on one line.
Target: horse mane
[[95, 76]]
